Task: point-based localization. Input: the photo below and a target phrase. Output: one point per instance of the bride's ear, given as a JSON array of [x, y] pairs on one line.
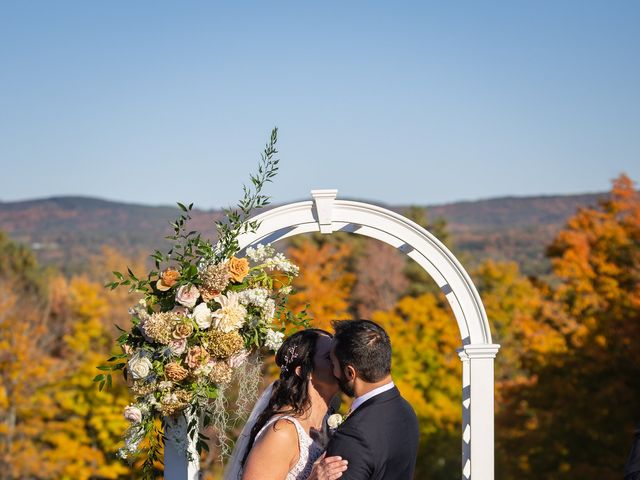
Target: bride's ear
[[298, 371]]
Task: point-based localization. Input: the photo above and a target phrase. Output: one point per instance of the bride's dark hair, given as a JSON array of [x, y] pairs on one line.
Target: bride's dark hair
[[290, 394]]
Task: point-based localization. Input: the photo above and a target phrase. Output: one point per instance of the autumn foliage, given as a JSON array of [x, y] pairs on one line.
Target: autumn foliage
[[567, 389]]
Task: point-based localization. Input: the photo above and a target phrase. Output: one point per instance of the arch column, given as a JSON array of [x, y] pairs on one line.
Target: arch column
[[478, 411]]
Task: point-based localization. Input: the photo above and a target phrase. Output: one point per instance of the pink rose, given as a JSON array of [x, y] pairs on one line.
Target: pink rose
[[187, 295], [133, 414]]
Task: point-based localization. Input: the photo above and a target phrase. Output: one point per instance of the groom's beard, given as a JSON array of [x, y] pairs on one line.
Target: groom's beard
[[347, 387]]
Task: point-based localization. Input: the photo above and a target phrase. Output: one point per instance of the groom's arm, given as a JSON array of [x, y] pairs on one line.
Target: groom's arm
[[349, 443]]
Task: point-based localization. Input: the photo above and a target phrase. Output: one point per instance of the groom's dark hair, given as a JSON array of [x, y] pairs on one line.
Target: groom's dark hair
[[365, 346]]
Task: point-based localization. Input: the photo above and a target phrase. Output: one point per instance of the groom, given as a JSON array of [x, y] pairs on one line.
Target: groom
[[379, 437]]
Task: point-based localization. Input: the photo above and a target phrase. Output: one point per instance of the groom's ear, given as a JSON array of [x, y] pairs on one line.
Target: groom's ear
[[350, 372]]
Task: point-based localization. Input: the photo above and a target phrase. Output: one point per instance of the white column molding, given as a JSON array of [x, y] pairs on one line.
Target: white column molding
[[176, 464], [478, 411], [324, 200]]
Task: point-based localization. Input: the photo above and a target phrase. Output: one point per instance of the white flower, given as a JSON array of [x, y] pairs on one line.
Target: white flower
[[286, 290], [187, 295], [133, 414], [273, 340], [259, 253], [139, 366], [282, 263], [165, 385], [232, 315], [202, 316], [334, 420]]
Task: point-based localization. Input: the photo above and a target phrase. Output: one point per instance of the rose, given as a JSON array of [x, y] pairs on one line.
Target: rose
[[175, 372], [133, 414], [139, 366], [196, 356], [183, 330], [238, 268], [180, 310], [178, 346], [202, 316], [334, 421], [187, 295], [168, 279]]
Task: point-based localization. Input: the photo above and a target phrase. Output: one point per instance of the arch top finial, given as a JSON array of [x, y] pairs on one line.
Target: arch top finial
[[324, 200]]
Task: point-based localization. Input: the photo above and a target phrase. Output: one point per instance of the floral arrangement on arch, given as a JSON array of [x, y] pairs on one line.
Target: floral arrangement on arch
[[204, 317]]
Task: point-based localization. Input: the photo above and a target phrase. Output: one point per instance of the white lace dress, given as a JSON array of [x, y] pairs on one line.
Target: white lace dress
[[310, 450]]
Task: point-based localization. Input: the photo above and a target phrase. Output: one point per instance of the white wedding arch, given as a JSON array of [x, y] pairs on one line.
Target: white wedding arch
[[326, 214]]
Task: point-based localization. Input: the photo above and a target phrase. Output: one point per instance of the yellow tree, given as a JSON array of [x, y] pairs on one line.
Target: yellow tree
[[324, 282], [85, 433], [427, 370]]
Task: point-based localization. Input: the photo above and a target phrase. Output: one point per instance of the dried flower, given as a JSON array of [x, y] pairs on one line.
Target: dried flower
[[196, 356], [215, 277], [221, 373], [173, 402], [178, 346], [174, 371], [159, 326], [223, 344]]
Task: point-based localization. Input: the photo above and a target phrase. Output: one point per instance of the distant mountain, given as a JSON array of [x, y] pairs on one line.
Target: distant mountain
[[64, 231]]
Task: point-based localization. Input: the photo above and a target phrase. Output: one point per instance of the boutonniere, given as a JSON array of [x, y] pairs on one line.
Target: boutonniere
[[334, 421]]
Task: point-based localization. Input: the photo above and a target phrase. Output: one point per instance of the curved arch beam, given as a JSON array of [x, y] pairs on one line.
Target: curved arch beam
[[327, 215]]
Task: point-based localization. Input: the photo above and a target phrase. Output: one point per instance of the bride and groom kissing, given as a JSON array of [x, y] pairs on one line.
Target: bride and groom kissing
[[283, 438]]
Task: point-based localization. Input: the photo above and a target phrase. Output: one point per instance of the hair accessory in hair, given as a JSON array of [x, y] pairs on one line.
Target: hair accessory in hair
[[289, 357]]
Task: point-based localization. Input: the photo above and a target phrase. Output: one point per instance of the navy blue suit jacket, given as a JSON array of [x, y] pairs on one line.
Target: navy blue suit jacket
[[379, 439]]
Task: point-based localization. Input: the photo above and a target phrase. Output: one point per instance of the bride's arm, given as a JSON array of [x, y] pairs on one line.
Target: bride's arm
[[273, 454]]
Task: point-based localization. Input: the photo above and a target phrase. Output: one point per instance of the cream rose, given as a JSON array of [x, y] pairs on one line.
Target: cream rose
[[334, 420], [187, 295], [178, 346], [139, 366], [183, 330], [202, 316], [133, 414]]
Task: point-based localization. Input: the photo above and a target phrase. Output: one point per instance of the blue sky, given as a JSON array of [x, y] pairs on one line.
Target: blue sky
[[395, 102]]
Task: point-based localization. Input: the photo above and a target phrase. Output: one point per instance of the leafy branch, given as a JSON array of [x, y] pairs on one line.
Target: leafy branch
[[237, 219]]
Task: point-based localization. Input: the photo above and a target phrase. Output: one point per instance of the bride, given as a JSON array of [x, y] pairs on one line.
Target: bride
[[283, 439]]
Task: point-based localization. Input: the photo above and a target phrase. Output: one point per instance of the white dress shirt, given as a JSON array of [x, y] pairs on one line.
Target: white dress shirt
[[363, 398]]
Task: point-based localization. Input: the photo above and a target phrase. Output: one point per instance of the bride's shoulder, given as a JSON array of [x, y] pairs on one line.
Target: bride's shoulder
[[280, 430]]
